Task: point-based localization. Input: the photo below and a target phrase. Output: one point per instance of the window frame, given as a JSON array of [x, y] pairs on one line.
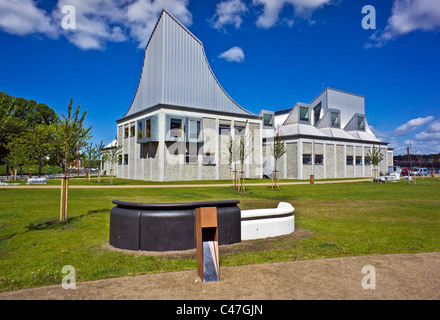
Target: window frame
[[140, 131], [315, 121], [188, 153], [222, 128], [321, 156], [338, 124], [367, 161], [307, 156], [304, 120], [349, 159], [363, 123], [270, 124]]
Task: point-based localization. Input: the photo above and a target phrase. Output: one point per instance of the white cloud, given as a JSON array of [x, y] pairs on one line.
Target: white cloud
[[142, 16], [228, 12], [412, 125], [23, 17], [273, 8], [235, 54], [424, 142], [408, 16], [97, 21]]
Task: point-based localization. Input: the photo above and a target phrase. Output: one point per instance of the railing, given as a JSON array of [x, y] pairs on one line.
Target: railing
[[268, 170]]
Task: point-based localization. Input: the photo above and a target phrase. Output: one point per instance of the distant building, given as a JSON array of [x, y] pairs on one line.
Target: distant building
[[328, 137], [181, 121]]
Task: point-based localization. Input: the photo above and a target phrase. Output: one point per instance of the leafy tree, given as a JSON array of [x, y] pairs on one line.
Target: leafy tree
[[70, 136], [17, 157], [112, 155], [278, 150], [40, 143], [375, 158]]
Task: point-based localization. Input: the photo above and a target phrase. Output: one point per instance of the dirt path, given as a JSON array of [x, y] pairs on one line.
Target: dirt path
[[174, 185], [398, 276]]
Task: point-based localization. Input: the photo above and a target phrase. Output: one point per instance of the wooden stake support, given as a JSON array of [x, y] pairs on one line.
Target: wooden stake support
[[64, 198], [207, 244]]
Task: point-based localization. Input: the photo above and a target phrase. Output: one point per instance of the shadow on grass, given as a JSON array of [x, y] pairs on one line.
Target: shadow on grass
[[50, 223]]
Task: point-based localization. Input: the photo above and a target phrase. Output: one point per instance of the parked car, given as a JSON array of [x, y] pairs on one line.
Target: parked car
[[405, 172], [395, 169], [421, 172]]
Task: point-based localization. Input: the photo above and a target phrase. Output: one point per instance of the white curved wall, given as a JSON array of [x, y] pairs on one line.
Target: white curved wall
[[264, 223]]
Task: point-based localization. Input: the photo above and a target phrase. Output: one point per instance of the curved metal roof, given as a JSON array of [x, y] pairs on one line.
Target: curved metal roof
[[176, 72]]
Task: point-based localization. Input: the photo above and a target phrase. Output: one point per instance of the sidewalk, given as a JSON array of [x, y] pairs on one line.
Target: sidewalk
[[398, 276], [177, 185]]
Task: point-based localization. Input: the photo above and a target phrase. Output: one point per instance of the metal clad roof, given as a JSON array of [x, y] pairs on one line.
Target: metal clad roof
[[176, 72]]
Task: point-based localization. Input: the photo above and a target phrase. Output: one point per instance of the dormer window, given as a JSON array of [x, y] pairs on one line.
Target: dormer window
[[268, 120], [335, 119], [360, 123], [304, 114], [316, 113]]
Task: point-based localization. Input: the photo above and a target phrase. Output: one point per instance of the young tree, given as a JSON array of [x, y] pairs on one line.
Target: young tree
[[70, 136], [375, 158], [99, 148], [278, 150], [244, 147], [90, 156], [112, 156]]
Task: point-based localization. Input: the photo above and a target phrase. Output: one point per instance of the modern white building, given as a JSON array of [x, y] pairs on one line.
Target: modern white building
[[328, 138], [181, 121]]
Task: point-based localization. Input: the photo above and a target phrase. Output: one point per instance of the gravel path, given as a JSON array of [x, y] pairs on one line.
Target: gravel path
[[398, 277]]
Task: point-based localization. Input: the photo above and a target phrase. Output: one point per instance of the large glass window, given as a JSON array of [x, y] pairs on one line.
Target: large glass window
[[194, 129], [132, 131], [335, 119], [307, 159], [316, 113], [176, 128], [361, 123], [303, 114], [148, 129], [125, 159], [140, 132], [349, 160], [358, 160], [268, 120], [126, 132]]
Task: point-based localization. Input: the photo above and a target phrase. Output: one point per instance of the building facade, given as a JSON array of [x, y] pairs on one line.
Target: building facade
[[327, 138], [181, 122]]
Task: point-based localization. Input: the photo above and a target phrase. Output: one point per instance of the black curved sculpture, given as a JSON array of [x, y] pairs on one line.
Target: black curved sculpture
[[169, 226]]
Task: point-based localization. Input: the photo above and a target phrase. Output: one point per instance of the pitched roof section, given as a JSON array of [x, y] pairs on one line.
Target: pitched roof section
[[176, 72]]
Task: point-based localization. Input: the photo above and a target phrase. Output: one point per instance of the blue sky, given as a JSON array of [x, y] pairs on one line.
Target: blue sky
[[267, 54]]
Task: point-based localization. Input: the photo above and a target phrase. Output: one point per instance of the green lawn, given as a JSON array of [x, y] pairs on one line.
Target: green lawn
[[343, 219]]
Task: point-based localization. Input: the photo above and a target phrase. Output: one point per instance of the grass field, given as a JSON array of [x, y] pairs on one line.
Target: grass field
[[344, 219]]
